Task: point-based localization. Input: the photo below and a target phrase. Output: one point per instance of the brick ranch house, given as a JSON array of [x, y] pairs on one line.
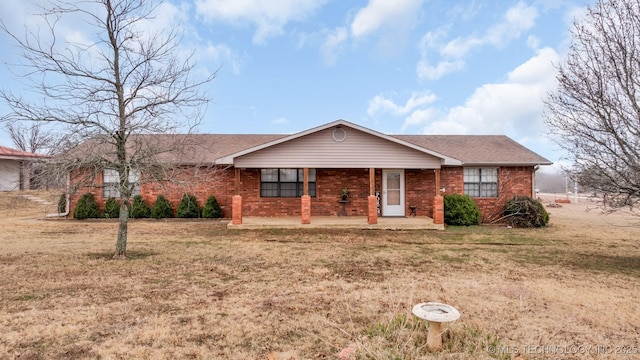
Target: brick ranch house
[[303, 174]]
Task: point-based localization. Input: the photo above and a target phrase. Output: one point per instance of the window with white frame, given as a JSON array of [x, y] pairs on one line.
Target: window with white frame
[[110, 180], [285, 182], [481, 182]]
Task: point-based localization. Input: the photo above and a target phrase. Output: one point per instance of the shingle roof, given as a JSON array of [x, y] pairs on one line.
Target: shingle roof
[[174, 148], [6, 152], [478, 149], [207, 148]]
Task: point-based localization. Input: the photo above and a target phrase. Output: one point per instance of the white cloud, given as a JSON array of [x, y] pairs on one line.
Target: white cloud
[[382, 105], [533, 42], [221, 54], [430, 42], [269, 17], [166, 17], [381, 13], [420, 117], [517, 19], [395, 17], [333, 44], [431, 72], [280, 121], [513, 107]]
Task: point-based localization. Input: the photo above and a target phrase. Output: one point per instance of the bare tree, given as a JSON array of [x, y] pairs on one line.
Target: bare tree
[[35, 138], [32, 138], [595, 112], [121, 82]]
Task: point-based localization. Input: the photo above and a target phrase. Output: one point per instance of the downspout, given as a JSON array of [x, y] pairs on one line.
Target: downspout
[[67, 202], [533, 181]]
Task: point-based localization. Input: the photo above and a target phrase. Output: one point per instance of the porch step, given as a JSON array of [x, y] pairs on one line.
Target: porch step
[[35, 199], [338, 222]]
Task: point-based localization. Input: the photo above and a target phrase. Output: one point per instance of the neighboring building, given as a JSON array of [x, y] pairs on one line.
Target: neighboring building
[[14, 168], [303, 174]]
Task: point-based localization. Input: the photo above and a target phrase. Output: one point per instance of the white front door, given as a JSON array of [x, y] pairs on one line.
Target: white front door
[[393, 193]]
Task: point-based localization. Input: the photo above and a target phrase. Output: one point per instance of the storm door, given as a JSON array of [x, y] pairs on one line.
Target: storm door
[[393, 193]]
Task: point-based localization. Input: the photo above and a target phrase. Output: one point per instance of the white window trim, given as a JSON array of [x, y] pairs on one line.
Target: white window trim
[[279, 182], [481, 182], [111, 188]]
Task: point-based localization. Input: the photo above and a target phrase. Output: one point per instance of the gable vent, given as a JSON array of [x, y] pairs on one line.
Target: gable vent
[[339, 134]]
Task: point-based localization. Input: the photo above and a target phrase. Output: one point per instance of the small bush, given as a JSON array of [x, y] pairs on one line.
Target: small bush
[[523, 211], [86, 208], [188, 207], [162, 208], [139, 208], [460, 210], [62, 203], [211, 208], [111, 208]]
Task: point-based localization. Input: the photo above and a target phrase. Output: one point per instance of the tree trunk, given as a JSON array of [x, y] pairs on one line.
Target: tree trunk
[[123, 224]]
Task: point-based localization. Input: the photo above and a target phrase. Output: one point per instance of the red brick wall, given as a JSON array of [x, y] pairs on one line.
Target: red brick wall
[[452, 180], [83, 182], [329, 185], [419, 190], [199, 181], [254, 205], [202, 182], [512, 181]]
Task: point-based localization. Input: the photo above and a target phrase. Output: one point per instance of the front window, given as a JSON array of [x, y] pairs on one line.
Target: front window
[[481, 182], [110, 182], [285, 182]]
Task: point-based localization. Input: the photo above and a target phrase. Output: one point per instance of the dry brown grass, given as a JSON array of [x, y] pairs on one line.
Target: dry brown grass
[[196, 290]]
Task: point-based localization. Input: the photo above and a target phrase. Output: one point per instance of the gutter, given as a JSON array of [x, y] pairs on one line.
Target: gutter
[[67, 201]]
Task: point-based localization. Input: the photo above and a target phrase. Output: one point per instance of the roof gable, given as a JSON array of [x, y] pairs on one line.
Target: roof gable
[[443, 159]]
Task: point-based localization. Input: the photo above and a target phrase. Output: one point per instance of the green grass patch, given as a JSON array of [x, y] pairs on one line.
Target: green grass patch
[[28, 297], [628, 265]]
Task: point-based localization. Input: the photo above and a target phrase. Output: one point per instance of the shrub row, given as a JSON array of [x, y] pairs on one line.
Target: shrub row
[[87, 208]]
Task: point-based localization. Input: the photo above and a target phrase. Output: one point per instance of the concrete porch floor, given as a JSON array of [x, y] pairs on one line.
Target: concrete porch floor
[[338, 222]]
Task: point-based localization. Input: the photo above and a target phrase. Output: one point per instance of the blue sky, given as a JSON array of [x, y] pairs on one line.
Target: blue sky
[[399, 67]]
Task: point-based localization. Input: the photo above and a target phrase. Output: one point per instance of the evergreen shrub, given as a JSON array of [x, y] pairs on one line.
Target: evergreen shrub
[[162, 208], [211, 208], [86, 208], [460, 210], [111, 208], [188, 207], [139, 208]]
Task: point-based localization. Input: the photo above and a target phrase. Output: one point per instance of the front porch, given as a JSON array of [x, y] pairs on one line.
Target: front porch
[[374, 194], [337, 222]]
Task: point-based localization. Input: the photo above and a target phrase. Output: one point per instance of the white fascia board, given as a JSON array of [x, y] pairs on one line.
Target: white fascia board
[[495, 164]]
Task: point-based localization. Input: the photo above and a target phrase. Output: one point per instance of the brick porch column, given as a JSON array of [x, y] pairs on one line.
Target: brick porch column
[[236, 217], [372, 217], [306, 209], [438, 209]]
